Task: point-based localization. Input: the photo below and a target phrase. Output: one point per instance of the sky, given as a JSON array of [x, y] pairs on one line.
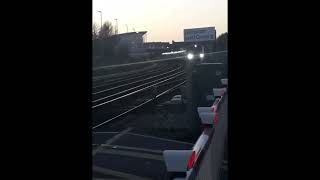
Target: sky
[[163, 19]]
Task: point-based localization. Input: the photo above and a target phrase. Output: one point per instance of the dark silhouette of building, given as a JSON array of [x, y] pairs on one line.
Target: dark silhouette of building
[[133, 41]]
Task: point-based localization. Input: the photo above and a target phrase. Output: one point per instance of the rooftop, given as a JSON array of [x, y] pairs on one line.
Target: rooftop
[[131, 33]]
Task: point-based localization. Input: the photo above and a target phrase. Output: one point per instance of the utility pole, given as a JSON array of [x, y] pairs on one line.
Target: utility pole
[[100, 21], [102, 46], [127, 27], [116, 30]]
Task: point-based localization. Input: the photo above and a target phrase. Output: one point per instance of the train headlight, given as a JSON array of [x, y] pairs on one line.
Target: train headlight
[[190, 56], [201, 55]]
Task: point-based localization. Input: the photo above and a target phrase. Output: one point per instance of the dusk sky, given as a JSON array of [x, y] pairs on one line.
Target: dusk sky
[[163, 19]]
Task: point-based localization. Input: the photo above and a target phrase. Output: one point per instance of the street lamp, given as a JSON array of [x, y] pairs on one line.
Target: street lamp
[[116, 31], [100, 21], [102, 46]]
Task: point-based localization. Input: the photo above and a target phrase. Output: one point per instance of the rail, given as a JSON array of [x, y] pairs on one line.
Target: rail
[[139, 106], [137, 91]]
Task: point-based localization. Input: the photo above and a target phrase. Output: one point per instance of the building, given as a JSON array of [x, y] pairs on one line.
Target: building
[[154, 49], [157, 45], [134, 41]]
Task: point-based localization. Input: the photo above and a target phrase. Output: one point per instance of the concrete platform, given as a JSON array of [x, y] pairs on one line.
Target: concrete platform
[[127, 155]]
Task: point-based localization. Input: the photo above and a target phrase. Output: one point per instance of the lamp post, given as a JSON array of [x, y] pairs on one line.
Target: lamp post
[[102, 46], [100, 21], [116, 31]]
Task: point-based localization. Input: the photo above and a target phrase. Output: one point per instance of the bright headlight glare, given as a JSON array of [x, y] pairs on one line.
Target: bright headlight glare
[[201, 55], [190, 56]]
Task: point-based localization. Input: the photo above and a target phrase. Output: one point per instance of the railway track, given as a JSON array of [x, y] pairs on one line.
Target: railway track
[[129, 123], [127, 79], [121, 112], [111, 70], [106, 79], [112, 102], [128, 87]]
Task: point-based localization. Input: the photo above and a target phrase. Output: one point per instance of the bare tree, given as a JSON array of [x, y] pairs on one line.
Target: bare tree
[[106, 30], [94, 31], [104, 42], [222, 42]]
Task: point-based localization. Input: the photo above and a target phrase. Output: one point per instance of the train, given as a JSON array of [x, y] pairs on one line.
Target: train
[[191, 52], [195, 52]]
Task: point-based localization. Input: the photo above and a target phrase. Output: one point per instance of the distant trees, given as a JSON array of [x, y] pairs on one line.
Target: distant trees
[[222, 42], [105, 46], [106, 31], [102, 43], [95, 31]]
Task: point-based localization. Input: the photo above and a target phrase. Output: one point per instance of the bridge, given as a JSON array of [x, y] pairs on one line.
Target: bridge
[[161, 119]]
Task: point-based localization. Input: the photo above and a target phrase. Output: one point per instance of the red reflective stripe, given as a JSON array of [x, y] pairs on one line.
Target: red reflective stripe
[[191, 160], [215, 118]]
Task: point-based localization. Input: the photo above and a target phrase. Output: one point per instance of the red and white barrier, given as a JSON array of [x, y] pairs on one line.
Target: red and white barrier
[[224, 82], [218, 92], [184, 160], [209, 115], [178, 161]]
